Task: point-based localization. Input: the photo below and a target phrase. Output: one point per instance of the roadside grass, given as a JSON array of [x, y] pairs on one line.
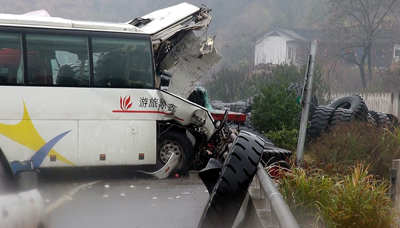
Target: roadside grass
[[344, 146], [343, 181], [320, 200]]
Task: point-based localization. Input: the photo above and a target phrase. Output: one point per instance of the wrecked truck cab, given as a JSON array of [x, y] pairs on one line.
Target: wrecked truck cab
[[180, 45], [183, 54]]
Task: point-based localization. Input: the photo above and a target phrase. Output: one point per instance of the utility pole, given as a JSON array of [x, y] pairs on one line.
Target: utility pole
[[305, 102]]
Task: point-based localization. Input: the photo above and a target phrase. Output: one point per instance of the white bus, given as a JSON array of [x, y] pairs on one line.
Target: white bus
[[84, 94]]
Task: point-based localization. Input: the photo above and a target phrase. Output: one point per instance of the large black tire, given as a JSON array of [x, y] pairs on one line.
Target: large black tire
[[259, 134], [394, 120], [276, 156], [296, 87], [372, 118], [197, 96], [342, 116], [385, 120], [179, 143], [231, 188], [320, 121], [353, 102]]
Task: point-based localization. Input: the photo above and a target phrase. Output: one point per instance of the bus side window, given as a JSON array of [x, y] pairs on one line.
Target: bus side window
[[11, 64], [61, 60], [139, 69], [122, 63], [41, 72]]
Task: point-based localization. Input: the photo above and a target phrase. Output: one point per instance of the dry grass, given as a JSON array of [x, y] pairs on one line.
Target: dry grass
[[355, 143]]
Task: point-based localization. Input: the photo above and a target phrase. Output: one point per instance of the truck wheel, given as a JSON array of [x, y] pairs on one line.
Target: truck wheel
[[320, 120], [178, 143], [393, 119], [232, 185], [385, 120], [276, 156], [342, 116], [296, 87], [197, 96], [372, 118], [353, 102]]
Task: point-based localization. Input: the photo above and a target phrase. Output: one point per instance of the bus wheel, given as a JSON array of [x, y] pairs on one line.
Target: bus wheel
[[178, 143]]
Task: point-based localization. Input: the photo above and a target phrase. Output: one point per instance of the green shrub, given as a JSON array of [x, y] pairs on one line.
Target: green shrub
[[284, 138], [275, 108], [320, 200]]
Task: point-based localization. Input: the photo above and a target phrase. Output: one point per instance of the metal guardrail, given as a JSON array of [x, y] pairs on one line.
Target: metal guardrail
[[279, 207], [265, 206]]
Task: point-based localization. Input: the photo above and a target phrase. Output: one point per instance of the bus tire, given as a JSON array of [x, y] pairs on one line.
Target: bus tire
[[234, 180], [181, 145]]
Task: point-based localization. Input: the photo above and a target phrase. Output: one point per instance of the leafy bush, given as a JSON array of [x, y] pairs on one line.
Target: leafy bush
[[320, 200], [275, 108], [346, 145], [284, 138]]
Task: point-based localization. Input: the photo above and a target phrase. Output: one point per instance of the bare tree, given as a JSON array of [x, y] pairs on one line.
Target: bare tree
[[354, 27]]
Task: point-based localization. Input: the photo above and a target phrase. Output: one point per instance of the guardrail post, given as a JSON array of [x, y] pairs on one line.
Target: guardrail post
[[394, 191]]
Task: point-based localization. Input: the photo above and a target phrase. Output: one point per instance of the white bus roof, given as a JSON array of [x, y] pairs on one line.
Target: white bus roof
[[57, 22], [166, 17]]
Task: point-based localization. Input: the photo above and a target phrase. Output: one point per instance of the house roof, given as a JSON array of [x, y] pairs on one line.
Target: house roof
[[291, 33], [304, 35]]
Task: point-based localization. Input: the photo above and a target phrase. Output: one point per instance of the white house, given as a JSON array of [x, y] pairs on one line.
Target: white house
[[278, 46]]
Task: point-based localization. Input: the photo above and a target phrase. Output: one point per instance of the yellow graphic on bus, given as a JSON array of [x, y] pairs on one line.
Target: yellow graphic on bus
[[26, 134]]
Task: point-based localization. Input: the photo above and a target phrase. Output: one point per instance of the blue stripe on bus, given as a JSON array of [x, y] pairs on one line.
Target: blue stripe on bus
[[40, 155]]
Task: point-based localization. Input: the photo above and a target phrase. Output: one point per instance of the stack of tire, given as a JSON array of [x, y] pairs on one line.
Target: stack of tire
[[345, 110]]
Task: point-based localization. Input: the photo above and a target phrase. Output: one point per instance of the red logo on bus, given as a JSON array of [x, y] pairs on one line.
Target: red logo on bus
[[125, 103]]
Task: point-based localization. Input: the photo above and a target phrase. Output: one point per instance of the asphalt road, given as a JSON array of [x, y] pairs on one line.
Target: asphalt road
[[128, 200]]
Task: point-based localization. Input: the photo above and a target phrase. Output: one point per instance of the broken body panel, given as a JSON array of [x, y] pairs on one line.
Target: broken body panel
[[180, 45]]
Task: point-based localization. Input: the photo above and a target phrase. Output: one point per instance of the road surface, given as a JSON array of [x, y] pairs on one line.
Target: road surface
[[122, 200]]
